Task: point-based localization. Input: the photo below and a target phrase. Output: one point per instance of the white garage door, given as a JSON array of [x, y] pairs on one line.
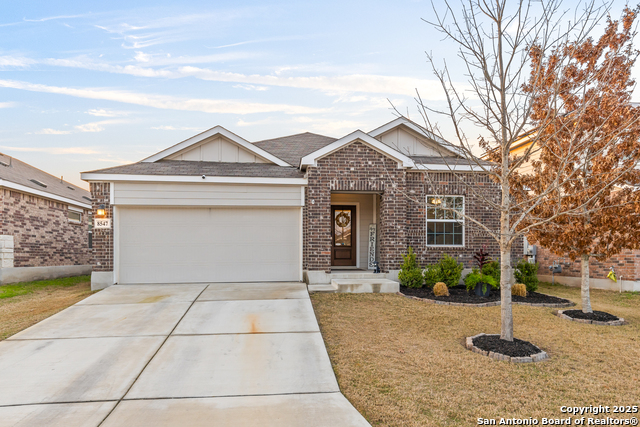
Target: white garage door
[[191, 245]]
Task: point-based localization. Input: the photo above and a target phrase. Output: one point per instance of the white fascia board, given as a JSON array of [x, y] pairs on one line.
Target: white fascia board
[[108, 177], [446, 168], [218, 130], [24, 189], [311, 159], [419, 130]]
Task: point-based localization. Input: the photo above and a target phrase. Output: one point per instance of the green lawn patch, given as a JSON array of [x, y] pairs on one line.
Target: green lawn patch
[[24, 288]]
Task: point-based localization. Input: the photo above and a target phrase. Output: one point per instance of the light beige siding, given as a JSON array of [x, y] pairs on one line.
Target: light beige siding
[[205, 194], [217, 149], [408, 143]]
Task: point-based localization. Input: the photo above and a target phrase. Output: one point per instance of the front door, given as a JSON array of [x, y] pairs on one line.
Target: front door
[[343, 231]]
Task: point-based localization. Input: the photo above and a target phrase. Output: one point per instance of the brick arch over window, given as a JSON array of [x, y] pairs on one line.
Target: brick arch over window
[[355, 167]]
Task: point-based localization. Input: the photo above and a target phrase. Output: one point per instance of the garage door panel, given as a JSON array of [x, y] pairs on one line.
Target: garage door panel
[[162, 245]]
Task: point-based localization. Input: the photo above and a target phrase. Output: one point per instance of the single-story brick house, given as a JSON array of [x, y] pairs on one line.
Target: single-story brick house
[[44, 224], [218, 208]]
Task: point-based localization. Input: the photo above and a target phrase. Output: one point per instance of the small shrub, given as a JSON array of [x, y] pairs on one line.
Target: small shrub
[[432, 275], [440, 289], [450, 270], [528, 274], [492, 269], [519, 289], [475, 277], [410, 274]]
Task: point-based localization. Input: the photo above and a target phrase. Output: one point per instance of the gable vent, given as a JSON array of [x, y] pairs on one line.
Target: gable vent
[[71, 188], [40, 183]]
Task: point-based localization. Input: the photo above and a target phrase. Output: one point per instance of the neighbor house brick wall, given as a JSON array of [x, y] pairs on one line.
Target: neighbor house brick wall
[[43, 235], [102, 254], [626, 265], [355, 167]]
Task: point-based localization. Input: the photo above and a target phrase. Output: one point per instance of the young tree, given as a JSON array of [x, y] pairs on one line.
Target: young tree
[[495, 39], [593, 154]]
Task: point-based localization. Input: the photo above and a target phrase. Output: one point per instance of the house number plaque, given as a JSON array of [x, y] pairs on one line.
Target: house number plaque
[[372, 246], [102, 223]]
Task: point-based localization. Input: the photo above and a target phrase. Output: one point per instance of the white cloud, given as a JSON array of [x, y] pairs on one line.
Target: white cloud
[[54, 150], [7, 104], [49, 131], [16, 61], [251, 87], [175, 128], [165, 102], [101, 112], [243, 123]]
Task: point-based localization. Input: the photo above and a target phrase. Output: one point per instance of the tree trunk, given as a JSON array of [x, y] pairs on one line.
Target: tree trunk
[[586, 298], [506, 314]]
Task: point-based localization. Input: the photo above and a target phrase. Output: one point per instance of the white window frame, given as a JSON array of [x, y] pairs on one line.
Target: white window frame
[[460, 221], [78, 211]]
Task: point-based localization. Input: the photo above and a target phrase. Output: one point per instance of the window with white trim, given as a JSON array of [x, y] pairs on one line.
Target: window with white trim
[[445, 224], [75, 216]]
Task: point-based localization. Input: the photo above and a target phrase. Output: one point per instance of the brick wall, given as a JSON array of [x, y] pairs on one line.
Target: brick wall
[[475, 188], [43, 235], [402, 221], [102, 254], [625, 264], [355, 167]]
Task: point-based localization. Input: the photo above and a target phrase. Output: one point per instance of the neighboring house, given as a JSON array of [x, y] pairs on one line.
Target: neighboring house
[[44, 224], [217, 208], [626, 264]]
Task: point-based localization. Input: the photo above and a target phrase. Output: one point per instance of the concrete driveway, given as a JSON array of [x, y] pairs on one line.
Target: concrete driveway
[[246, 354]]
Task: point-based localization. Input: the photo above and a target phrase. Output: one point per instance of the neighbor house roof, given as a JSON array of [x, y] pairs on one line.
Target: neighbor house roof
[[20, 176], [454, 161], [292, 148], [191, 168]]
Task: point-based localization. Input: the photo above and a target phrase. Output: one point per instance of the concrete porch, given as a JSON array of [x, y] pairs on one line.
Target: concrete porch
[[353, 281]]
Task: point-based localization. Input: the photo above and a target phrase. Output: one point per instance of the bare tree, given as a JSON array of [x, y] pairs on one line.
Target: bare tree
[[495, 40]]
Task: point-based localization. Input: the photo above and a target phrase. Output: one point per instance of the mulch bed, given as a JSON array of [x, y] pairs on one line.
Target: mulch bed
[[458, 295], [516, 351], [595, 318]]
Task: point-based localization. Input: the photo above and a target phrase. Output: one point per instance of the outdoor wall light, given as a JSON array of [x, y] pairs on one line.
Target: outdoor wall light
[[101, 212], [436, 201]]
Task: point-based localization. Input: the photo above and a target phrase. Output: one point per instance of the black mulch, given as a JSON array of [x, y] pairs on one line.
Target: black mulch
[[599, 316], [459, 294], [515, 348]]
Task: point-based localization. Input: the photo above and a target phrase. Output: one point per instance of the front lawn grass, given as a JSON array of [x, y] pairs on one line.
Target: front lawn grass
[[402, 362], [25, 304]]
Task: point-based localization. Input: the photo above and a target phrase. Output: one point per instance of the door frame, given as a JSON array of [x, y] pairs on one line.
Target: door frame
[[357, 205]]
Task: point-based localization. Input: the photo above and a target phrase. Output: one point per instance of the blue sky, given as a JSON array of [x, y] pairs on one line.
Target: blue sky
[[91, 85]]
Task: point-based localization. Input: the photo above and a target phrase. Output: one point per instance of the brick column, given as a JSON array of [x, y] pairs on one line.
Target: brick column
[[393, 226], [317, 242], [102, 252]]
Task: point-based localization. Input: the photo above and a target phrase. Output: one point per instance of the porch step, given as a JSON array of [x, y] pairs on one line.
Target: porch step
[[355, 275], [321, 288], [357, 286]]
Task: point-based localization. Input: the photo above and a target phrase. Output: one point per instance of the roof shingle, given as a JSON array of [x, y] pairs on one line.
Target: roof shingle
[[19, 172], [292, 148], [193, 168]]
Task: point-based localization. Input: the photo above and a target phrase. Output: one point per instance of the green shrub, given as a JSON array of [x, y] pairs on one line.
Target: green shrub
[[450, 270], [475, 277], [492, 269], [432, 275], [410, 274], [528, 274]]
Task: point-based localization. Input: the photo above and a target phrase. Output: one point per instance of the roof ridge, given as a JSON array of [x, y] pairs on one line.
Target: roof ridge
[[295, 134]]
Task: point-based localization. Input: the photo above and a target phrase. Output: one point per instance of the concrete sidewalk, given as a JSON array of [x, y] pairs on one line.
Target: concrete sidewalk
[[175, 355]]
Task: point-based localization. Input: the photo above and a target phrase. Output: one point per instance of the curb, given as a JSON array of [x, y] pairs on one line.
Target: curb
[[619, 322], [538, 357]]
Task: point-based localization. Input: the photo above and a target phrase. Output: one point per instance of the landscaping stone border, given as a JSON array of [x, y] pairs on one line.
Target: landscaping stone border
[[489, 304], [538, 357], [619, 322]]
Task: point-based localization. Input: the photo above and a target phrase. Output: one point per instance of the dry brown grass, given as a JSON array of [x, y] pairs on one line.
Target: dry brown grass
[[402, 362], [20, 312]]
